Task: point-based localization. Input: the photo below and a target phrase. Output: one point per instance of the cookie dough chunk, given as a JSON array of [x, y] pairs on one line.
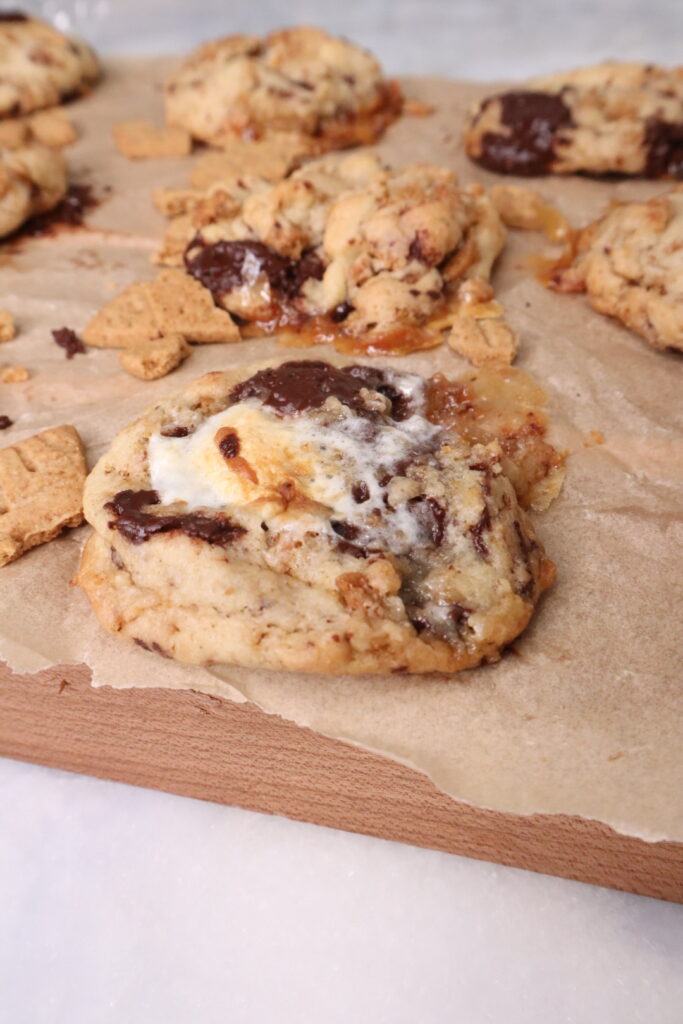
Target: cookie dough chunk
[[298, 80], [312, 517], [622, 118], [171, 304], [39, 66], [347, 251], [41, 490], [32, 180], [629, 264]]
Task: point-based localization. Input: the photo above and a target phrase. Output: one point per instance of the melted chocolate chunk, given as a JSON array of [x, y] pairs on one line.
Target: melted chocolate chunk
[[69, 341], [137, 525], [346, 530], [431, 516], [534, 119], [227, 265], [360, 492], [177, 431], [13, 16], [375, 379], [116, 559], [229, 446], [478, 530], [70, 211], [459, 614], [340, 312], [5, 422], [664, 143], [294, 387]]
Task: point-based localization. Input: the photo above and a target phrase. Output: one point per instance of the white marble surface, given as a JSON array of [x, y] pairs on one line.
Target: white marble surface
[[125, 905]]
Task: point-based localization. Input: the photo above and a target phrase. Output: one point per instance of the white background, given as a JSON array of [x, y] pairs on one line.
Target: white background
[[126, 905]]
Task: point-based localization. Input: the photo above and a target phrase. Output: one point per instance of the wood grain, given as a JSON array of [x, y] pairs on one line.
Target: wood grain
[[200, 746]]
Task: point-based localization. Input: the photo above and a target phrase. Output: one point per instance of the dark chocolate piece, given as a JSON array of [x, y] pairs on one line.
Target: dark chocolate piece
[[478, 530], [431, 516], [223, 266], [69, 341], [137, 525], [13, 16], [5, 422], [534, 118], [69, 211], [296, 386], [229, 445], [664, 142]]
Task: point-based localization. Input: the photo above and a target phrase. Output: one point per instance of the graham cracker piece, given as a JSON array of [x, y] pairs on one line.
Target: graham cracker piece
[[174, 303], [8, 328], [156, 358], [53, 128], [14, 374], [271, 158], [41, 489], [140, 140], [481, 341]]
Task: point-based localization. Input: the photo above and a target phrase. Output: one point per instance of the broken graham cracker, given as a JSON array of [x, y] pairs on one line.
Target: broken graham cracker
[[489, 340], [174, 303], [14, 374], [151, 360], [41, 489], [271, 158], [8, 328], [140, 140]]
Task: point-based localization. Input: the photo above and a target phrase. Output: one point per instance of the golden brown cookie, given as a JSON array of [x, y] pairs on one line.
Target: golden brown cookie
[[322, 518], [629, 264], [622, 118], [298, 80], [39, 66], [346, 250]]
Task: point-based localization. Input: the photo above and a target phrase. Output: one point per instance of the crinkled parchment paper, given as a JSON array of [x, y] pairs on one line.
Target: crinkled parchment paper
[[585, 717]]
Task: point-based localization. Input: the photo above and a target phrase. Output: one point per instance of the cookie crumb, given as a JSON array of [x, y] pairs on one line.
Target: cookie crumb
[[53, 128], [14, 374], [8, 328], [417, 108], [69, 341], [140, 140], [14, 133], [154, 359], [41, 501]]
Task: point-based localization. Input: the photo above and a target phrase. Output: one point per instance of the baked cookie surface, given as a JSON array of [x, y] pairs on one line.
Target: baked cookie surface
[[323, 518], [39, 66], [33, 179], [622, 118], [346, 250], [630, 264], [298, 80]]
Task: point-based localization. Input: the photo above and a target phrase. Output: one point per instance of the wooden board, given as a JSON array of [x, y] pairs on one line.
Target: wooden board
[[200, 746]]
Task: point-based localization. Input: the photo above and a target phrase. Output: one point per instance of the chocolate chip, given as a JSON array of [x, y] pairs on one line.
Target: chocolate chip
[[340, 312], [137, 525], [176, 431], [534, 119], [5, 422], [431, 516], [360, 492], [229, 445], [480, 527], [69, 341], [664, 142]]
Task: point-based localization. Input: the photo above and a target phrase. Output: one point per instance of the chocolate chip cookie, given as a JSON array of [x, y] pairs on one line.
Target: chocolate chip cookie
[[614, 118], [348, 251], [629, 264], [32, 180], [39, 66], [325, 518], [299, 80]]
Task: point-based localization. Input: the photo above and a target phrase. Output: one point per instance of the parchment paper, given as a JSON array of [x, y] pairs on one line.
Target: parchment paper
[[586, 716]]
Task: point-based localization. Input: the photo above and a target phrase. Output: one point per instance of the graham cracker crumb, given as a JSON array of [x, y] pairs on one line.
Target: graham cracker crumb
[[8, 328], [140, 140], [14, 374]]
